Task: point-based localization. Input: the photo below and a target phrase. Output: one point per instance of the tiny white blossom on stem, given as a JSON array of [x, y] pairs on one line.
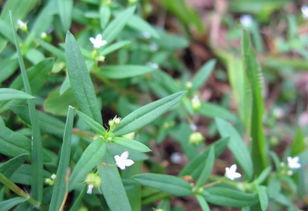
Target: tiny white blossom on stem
[[98, 41], [246, 20], [304, 10], [231, 173], [22, 25], [90, 189], [122, 160], [293, 162]]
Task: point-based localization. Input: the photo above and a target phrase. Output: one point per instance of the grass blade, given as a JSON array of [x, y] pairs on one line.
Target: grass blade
[[61, 185], [37, 149], [255, 83]]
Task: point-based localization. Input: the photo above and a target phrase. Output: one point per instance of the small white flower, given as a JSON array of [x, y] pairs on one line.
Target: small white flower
[[153, 47], [304, 10], [98, 41], [246, 21], [176, 158], [90, 189], [196, 103], [44, 35], [231, 173], [293, 162], [193, 127], [22, 25], [146, 35], [122, 161], [153, 65]]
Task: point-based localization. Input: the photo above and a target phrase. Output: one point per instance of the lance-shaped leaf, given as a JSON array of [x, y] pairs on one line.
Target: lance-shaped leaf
[[236, 145], [203, 203], [9, 94], [90, 158], [80, 79], [10, 203], [208, 166], [146, 114], [61, 184], [229, 197], [112, 185], [131, 144], [203, 74], [263, 197], [122, 71], [65, 8], [95, 126], [116, 26], [166, 183], [195, 165]]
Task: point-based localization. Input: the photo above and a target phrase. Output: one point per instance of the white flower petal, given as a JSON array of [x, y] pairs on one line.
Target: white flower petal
[[90, 189], [129, 162], [124, 155]]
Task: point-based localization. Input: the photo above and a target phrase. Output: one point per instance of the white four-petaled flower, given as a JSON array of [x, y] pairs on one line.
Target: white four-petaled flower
[[304, 10], [122, 161], [98, 41], [246, 20], [231, 172], [293, 162]]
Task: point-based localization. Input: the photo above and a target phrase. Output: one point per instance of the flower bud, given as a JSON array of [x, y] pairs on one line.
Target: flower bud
[[196, 103], [22, 25], [93, 179], [196, 138], [114, 122], [188, 85]]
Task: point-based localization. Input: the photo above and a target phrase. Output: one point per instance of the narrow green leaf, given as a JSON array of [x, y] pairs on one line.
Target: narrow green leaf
[[8, 168], [37, 149], [10, 203], [166, 183], [9, 94], [95, 126], [255, 83], [236, 145], [61, 184], [118, 45], [147, 114], [104, 15], [116, 26], [57, 103], [65, 8], [263, 197], [195, 165], [298, 144], [13, 143], [208, 166], [264, 174], [112, 186], [203, 74], [203, 203], [144, 27], [131, 144], [19, 8], [229, 197], [122, 71], [90, 158], [80, 79], [212, 110]]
